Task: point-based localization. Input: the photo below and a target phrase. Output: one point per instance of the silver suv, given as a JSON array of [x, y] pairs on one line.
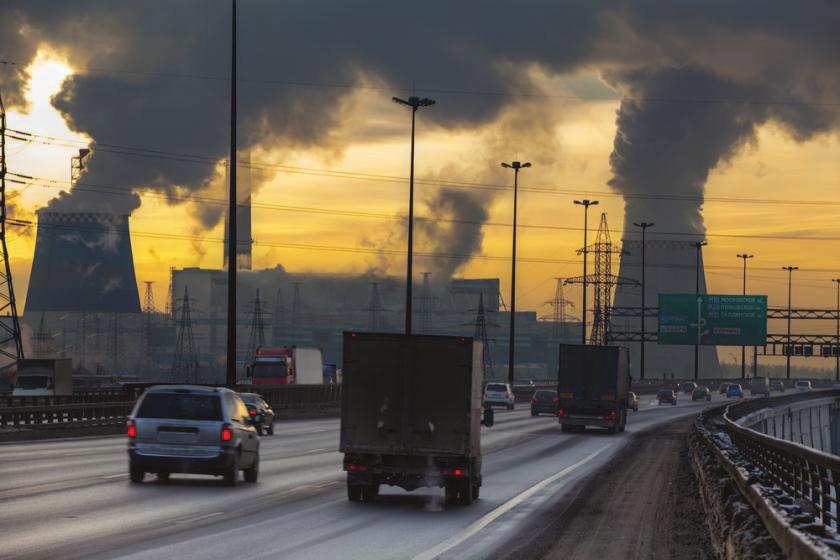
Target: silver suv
[[192, 429]]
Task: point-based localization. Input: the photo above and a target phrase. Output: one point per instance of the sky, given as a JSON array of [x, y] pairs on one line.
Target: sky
[[334, 151]]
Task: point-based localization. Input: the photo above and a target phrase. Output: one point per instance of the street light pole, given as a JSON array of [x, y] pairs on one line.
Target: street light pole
[[516, 166], [644, 226], [230, 359], [415, 103], [697, 245], [586, 203], [789, 348], [834, 349], [744, 256]]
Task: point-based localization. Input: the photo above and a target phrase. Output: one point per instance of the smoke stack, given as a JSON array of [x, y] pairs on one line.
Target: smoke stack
[[243, 217], [83, 263], [669, 268]]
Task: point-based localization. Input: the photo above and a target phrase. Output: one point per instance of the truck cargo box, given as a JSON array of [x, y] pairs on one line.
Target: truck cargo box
[[592, 386], [411, 395]]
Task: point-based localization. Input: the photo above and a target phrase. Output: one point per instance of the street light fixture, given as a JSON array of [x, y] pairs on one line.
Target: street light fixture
[[516, 166], [586, 203], [644, 226], [415, 103], [744, 256], [697, 245], [789, 348]]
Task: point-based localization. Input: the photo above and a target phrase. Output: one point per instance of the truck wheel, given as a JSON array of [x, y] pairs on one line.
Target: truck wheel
[[564, 428], [136, 474], [450, 489], [534, 413], [370, 492], [465, 493], [354, 492], [163, 476], [476, 490]]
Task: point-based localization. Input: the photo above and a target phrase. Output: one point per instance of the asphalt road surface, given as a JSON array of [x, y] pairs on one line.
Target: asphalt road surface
[[72, 499]]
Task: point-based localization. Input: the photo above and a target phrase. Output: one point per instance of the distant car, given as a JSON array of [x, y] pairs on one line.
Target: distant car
[[701, 393], [544, 402], [777, 386], [260, 411], [689, 387], [499, 394], [633, 401], [760, 386], [734, 391], [667, 396], [723, 387], [192, 429], [803, 385]]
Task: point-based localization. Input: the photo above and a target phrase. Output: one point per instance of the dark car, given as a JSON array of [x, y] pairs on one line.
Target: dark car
[[688, 387], [777, 386], [260, 411], [544, 402], [701, 393], [667, 396], [633, 401], [723, 387], [192, 429]]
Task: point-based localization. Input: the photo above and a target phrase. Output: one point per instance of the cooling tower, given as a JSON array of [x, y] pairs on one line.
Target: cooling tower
[[669, 268], [83, 263]]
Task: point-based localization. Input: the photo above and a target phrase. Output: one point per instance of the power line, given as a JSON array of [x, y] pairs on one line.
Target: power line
[[373, 177], [29, 181]]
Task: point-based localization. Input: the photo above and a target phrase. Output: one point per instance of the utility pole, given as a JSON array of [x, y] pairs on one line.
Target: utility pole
[[148, 327], [296, 312], [586, 203], [230, 373], [10, 328], [426, 305], [278, 323], [644, 226], [697, 245], [185, 364], [516, 166], [789, 349], [481, 334], [415, 103], [745, 257], [835, 349]]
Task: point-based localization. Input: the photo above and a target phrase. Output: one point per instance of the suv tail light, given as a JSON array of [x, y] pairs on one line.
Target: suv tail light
[[227, 432], [131, 429]]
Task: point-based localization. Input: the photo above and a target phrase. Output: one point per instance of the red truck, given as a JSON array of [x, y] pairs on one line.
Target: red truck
[[286, 366]]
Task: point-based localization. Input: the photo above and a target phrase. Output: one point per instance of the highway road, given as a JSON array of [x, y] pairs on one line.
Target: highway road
[[72, 499]]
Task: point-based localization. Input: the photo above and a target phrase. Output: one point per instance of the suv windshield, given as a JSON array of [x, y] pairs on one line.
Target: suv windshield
[[177, 406], [32, 382], [497, 387]]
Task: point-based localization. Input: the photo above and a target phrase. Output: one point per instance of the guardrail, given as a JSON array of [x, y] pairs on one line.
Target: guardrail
[[803, 472], [65, 415]]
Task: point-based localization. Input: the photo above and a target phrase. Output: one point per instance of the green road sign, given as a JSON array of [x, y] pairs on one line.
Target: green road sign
[[723, 320]]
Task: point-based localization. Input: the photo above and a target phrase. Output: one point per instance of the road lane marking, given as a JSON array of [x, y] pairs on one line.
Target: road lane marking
[[120, 475], [194, 518], [484, 521]]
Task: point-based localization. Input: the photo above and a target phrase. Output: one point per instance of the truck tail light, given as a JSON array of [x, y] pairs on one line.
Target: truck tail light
[[227, 432], [611, 416], [453, 472], [353, 467], [561, 413], [534, 399], [131, 429]]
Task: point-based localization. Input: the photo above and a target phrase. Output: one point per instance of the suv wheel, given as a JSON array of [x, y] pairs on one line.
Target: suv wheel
[[231, 475], [253, 472], [135, 473]]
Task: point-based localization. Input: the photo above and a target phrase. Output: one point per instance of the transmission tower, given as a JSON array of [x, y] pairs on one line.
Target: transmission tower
[[81, 341], [426, 305], [43, 340], [296, 312], [559, 304], [279, 318], [10, 323], [481, 334], [602, 282], [185, 364], [374, 308], [148, 327], [256, 338], [170, 295]]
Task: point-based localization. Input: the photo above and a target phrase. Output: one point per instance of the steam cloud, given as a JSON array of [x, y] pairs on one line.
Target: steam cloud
[[697, 79]]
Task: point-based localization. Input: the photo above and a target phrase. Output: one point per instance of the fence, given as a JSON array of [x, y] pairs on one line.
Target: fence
[[65, 415]]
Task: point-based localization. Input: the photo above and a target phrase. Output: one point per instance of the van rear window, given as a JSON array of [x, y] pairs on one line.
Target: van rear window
[[497, 387], [178, 406]]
